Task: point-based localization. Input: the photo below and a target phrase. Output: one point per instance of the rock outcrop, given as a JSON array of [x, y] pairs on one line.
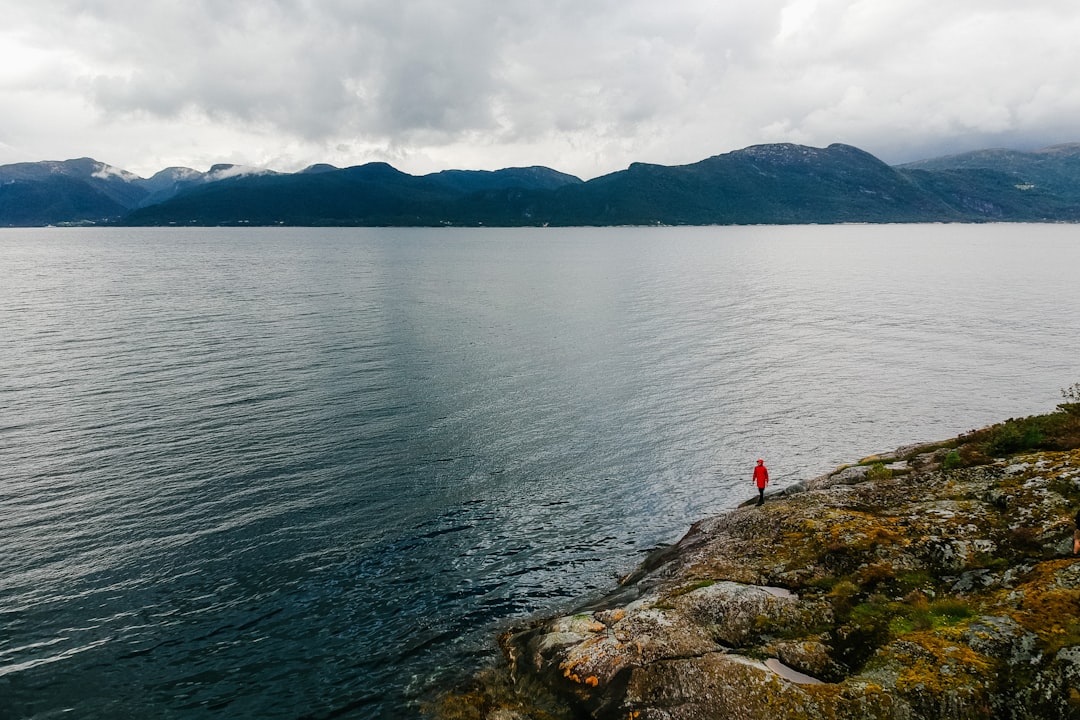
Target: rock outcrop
[[893, 589]]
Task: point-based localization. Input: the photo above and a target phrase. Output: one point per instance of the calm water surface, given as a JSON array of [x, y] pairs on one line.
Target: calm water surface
[[294, 473]]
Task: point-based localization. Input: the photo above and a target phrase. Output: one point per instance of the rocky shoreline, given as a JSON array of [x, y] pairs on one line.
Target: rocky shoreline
[[917, 584]]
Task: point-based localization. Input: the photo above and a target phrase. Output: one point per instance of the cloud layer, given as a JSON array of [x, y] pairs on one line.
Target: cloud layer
[[585, 86]]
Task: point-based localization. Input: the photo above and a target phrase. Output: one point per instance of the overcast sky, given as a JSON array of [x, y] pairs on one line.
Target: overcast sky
[[584, 86]]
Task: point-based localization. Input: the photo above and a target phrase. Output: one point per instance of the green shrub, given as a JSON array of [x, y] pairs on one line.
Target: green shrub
[[878, 471], [952, 460], [1013, 436], [1071, 395], [861, 631]]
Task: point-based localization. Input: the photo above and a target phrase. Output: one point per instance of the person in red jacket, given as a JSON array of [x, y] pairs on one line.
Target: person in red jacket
[[761, 477]]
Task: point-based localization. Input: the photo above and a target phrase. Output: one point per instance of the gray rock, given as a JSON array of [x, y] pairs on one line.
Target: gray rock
[[1001, 637], [906, 452], [848, 476]]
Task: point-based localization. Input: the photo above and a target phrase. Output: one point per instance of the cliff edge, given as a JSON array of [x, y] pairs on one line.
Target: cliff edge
[[934, 582]]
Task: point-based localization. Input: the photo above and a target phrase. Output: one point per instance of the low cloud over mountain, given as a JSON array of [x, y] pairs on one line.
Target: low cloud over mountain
[[780, 183]]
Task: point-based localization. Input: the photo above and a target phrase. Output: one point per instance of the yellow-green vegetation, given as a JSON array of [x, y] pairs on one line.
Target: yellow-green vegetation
[[878, 471], [692, 587], [1046, 609], [493, 694], [934, 662]]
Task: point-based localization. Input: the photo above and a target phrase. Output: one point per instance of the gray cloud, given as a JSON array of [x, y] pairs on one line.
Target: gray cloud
[[586, 86], [313, 70]]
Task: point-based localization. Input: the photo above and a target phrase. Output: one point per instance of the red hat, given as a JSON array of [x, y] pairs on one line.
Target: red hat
[[760, 461]]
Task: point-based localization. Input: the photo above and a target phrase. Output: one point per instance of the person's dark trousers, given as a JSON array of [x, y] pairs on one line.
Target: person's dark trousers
[[761, 496]]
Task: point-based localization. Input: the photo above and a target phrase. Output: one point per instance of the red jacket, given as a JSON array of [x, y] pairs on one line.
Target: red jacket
[[761, 476]]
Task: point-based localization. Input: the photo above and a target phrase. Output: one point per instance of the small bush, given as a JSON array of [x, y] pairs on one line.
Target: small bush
[[952, 461], [863, 629], [1013, 436], [1071, 396], [878, 471]]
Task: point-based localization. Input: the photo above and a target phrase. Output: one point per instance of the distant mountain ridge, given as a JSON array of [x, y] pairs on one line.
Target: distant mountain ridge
[[1053, 168], [762, 184]]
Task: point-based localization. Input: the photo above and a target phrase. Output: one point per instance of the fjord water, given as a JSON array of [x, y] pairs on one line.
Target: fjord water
[[308, 473]]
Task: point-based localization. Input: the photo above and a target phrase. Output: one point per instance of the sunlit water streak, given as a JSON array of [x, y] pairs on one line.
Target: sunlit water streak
[[309, 473]]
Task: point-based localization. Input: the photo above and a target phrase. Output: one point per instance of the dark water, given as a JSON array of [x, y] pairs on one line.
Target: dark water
[[310, 473]]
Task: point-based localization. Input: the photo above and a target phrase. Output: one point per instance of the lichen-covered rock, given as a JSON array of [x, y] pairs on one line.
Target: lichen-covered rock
[[1003, 638], [910, 593]]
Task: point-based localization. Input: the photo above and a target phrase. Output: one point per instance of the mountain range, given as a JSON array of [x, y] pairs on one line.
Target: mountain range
[[762, 184]]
